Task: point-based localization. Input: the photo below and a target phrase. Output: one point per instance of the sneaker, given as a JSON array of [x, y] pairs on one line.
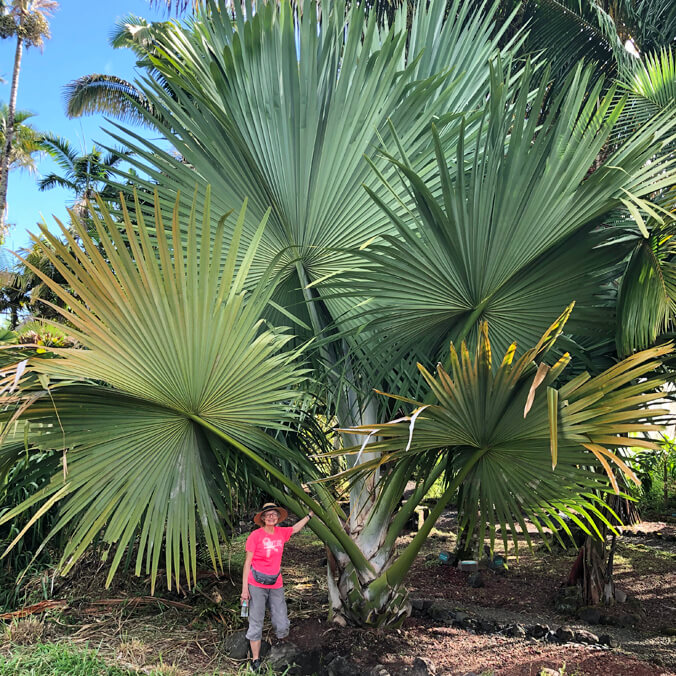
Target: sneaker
[[255, 666]]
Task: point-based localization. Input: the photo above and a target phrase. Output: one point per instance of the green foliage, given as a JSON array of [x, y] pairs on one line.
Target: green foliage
[[657, 473], [518, 444], [26, 140], [43, 334], [29, 474], [197, 362], [515, 240], [57, 660]]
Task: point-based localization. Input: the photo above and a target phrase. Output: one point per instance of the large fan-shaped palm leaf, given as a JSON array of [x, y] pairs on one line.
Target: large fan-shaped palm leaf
[[281, 107], [647, 295], [519, 444], [511, 240], [175, 360]]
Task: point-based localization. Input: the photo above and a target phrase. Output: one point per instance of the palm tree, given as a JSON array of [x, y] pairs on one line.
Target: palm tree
[[26, 20], [111, 95], [26, 141], [475, 210], [85, 175], [202, 376]]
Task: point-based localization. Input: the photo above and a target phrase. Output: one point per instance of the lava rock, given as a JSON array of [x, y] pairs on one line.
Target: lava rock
[[292, 660], [422, 666], [379, 670], [620, 596], [590, 615], [236, 646], [607, 639], [476, 580], [564, 634], [538, 631], [470, 624], [487, 626], [341, 666], [516, 631], [441, 610], [568, 599], [584, 636], [463, 621], [628, 621]]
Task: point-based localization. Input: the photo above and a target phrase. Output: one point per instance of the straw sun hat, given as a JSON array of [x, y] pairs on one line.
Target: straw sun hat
[[269, 507]]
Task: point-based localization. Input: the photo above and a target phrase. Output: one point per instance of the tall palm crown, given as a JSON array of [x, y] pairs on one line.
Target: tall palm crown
[[25, 20], [83, 174], [26, 141]]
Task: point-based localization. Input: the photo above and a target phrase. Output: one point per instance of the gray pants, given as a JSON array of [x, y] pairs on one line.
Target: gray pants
[[258, 599]]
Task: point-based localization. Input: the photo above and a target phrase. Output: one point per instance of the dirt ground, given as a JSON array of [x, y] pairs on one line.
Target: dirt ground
[[182, 633]]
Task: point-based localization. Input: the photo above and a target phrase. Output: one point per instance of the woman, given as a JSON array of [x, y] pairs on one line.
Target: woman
[[261, 578]]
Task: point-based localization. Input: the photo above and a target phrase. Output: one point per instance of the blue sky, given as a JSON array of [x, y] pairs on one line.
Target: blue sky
[[78, 46]]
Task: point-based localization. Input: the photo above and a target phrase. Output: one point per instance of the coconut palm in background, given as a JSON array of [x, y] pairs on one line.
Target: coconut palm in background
[[25, 141], [83, 174], [25, 144], [479, 224], [25, 20], [111, 95]]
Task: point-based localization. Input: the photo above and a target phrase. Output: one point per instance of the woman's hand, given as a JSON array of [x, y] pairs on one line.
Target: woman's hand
[[245, 595]]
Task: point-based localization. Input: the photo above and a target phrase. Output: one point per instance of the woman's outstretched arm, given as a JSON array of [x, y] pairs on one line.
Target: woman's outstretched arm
[[299, 525]]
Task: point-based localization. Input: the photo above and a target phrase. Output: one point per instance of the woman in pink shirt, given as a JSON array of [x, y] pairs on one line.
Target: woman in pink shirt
[[262, 583]]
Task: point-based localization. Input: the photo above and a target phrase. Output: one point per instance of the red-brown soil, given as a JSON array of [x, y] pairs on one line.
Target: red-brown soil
[[184, 636]]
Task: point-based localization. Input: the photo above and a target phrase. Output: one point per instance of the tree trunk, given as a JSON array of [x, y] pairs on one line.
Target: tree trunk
[[593, 572], [590, 569], [6, 154], [364, 601]]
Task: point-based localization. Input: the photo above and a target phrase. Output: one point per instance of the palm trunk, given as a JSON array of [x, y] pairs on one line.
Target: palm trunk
[[6, 153], [591, 569]]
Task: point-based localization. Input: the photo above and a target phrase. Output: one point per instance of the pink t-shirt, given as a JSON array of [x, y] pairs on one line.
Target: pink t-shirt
[[267, 553]]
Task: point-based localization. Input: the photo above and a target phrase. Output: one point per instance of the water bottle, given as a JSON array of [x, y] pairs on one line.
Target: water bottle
[[245, 608]]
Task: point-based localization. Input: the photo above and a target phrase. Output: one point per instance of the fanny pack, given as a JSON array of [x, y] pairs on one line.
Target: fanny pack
[[263, 578]]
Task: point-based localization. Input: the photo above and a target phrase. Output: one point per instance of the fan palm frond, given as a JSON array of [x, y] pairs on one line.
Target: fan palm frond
[[519, 445], [175, 359]]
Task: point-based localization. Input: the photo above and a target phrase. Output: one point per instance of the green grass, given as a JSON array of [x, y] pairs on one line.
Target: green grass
[[53, 659]]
